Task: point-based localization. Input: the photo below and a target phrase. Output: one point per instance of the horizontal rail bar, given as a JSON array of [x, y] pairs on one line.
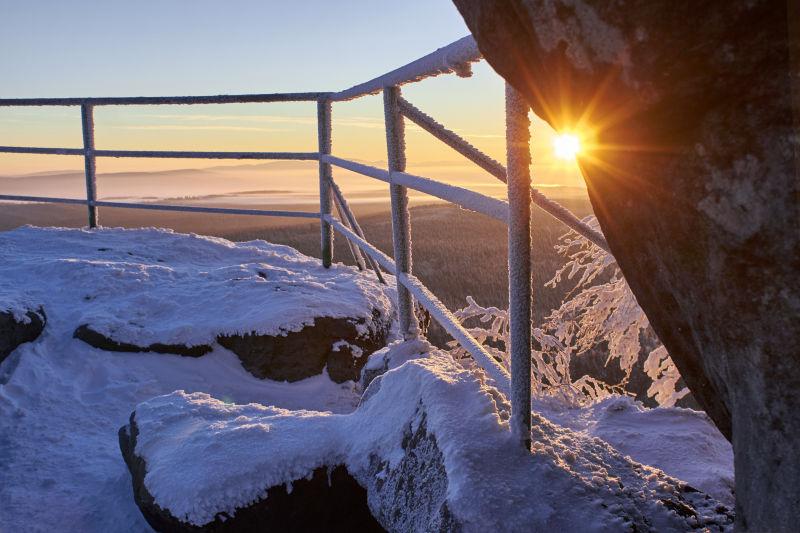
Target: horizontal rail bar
[[497, 170], [471, 200], [177, 154], [168, 100], [43, 199], [166, 154], [359, 168], [33, 150], [455, 57], [163, 207], [435, 307]]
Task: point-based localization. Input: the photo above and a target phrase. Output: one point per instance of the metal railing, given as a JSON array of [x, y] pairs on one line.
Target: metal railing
[[516, 212]]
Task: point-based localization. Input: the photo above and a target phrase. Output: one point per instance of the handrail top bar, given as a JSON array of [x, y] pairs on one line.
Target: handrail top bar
[[455, 57], [168, 100]]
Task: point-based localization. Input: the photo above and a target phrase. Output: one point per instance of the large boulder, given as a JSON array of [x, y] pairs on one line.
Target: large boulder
[[693, 170], [327, 499], [430, 446], [17, 328], [339, 345]]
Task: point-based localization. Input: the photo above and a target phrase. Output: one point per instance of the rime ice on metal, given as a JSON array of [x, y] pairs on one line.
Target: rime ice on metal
[[519, 262]]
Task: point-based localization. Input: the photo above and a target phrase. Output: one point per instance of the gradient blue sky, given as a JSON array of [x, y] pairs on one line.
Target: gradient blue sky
[[146, 47]]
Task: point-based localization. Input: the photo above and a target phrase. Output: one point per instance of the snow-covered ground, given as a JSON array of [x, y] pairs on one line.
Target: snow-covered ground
[[204, 457], [62, 401], [682, 442]]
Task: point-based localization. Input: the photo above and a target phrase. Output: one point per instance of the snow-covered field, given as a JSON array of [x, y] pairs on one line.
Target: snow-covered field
[[62, 401]]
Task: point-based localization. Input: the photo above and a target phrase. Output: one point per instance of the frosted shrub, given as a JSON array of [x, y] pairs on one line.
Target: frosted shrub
[[603, 307], [550, 376], [600, 307]]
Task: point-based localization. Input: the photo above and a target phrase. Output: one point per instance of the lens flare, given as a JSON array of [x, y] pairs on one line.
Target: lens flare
[[566, 146]]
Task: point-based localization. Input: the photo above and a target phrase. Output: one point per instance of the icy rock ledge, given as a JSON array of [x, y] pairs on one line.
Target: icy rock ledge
[[430, 447]]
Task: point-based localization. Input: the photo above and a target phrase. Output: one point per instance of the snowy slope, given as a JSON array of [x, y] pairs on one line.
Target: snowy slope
[[62, 401]]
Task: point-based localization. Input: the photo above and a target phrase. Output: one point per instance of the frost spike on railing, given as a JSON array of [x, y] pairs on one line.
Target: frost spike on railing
[[437, 310], [455, 57], [496, 169]]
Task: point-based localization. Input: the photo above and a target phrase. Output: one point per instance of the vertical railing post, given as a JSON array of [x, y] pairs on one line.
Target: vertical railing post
[[401, 221], [87, 123], [519, 262], [325, 198]]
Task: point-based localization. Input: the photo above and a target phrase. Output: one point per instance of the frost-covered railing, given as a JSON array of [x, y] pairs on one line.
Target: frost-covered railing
[[516, 212]]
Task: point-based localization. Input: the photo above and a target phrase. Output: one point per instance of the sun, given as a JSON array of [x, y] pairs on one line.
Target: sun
[[566, 146]]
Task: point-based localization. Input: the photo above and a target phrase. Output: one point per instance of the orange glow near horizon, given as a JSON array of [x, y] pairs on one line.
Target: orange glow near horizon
[[472, 108]]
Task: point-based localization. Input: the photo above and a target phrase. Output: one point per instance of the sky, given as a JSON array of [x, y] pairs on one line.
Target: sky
[[53, 48]]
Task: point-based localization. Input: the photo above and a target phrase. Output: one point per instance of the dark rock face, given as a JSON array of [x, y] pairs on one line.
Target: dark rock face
[[334, 343], [326, 502], [694, 177], [413, 495], [14, 333], [98, 340], [304, 353]]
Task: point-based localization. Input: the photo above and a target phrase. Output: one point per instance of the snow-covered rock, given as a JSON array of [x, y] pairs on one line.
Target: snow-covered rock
[[17, 327], [432, 449], [327, 499], [339, 345], [63, 401], [153, 290], [391, 357]]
